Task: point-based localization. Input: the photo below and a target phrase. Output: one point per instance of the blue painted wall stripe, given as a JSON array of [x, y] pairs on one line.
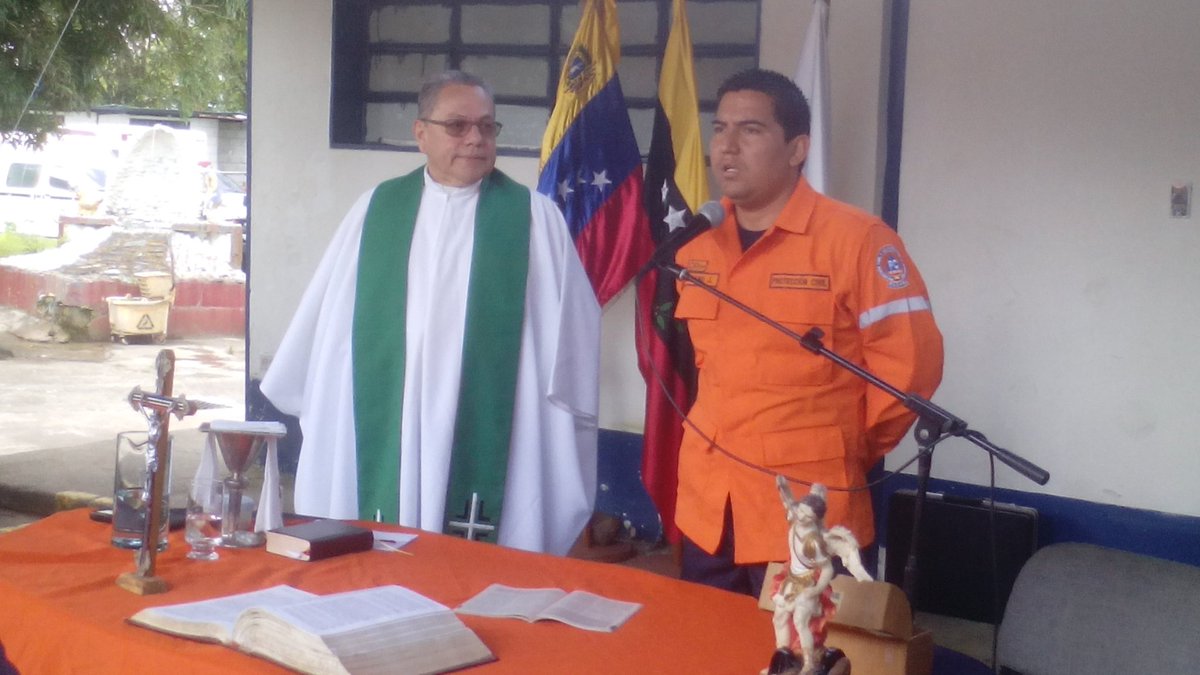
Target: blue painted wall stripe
[[1060, 519]]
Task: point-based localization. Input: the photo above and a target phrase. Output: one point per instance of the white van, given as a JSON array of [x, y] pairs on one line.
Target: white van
[[34, 192]]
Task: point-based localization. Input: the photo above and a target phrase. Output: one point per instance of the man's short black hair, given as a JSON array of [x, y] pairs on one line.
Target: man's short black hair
[[791, 109]]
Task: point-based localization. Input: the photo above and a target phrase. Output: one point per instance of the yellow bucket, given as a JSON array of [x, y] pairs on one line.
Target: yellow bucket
[[128, 316], [154, 284]]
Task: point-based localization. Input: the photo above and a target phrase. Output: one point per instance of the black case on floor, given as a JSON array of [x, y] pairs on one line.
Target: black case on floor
[[954, 568]]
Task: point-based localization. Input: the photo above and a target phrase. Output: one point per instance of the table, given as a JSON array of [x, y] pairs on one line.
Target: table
[[62, 612]]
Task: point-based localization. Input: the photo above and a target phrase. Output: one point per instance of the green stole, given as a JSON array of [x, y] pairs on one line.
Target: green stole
[[492, 343]]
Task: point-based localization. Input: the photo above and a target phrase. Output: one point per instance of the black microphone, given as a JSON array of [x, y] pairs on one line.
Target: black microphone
[[708, 216]]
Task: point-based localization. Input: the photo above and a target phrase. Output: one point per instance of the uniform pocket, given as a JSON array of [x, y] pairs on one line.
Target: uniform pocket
[[815, 454], [696, 303], [781, 360], [699, 308]]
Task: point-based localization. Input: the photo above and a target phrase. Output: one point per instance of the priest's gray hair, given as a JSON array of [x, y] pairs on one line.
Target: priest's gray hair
[[434, 85]]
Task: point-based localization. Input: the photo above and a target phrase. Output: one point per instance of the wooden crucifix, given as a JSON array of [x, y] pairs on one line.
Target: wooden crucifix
[[157, 408]]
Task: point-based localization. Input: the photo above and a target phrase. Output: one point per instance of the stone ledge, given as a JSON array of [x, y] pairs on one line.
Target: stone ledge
[[202, 308]]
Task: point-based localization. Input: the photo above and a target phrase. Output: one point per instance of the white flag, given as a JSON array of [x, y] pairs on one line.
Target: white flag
[[812, 76]]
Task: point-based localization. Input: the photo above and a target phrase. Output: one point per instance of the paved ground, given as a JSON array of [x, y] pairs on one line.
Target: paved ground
[[62, 405]]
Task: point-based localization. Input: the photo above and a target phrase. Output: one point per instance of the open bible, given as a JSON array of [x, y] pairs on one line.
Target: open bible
[[386, 629], [577, 608]]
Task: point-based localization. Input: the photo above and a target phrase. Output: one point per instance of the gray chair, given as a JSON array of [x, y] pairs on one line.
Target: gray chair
[[1080, 609]]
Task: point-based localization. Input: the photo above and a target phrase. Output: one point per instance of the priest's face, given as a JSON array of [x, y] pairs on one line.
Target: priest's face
[[463, 159]]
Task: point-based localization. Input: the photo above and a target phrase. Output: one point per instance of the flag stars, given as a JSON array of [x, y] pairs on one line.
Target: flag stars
[[564, 189], [600, 179], [674, 218]]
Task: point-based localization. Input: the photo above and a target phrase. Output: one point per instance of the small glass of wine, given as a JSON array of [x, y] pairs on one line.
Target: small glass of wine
[[203, 524]]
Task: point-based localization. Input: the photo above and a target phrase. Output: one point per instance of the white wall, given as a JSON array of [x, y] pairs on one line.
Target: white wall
[[299, 186], [855, 65], [1041, 138], [1040, 141]]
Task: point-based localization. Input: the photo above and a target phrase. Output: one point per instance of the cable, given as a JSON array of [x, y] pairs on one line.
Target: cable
[[640, 331], [37, 83]]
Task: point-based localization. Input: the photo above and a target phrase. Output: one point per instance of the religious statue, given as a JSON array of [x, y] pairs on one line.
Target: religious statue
[[801, 591]]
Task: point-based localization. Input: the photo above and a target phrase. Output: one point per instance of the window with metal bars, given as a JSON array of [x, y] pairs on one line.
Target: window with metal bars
[[383, 49]]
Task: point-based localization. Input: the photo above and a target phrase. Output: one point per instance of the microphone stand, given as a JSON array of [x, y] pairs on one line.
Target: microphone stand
[[934, 423]]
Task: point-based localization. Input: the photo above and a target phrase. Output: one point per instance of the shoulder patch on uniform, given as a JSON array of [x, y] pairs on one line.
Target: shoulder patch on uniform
[[696, 265], [802, 282], [891, 267]]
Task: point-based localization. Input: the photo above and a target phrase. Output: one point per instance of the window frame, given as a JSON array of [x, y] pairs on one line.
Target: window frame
[[352, 51]]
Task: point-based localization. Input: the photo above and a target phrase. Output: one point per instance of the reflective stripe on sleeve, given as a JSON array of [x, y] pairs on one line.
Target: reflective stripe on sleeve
[[901, 306]]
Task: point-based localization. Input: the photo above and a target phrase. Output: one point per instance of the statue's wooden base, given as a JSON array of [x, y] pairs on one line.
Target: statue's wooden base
[[783, 662], [135, 583]]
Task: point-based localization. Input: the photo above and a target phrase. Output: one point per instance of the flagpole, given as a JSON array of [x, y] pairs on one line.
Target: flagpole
[[676, 185], [812, 76], [591, 167]]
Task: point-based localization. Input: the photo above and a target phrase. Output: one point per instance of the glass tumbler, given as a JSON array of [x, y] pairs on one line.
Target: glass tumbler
[[130, 491]]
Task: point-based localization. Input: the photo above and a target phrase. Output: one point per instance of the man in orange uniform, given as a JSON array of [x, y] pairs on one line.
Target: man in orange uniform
[[765, 405]]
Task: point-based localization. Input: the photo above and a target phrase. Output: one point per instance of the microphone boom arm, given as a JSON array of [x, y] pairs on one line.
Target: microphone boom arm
[[935, 423]]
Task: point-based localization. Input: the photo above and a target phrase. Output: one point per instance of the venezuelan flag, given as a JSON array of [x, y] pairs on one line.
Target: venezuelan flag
[[676, 185], [590, 164]]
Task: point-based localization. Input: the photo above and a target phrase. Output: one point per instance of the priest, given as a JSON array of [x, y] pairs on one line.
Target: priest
[[443, 360]]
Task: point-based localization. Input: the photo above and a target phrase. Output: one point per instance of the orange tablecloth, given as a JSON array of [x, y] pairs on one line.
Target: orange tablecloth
[[62, 612]]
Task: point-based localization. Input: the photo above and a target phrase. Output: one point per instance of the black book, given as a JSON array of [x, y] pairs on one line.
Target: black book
[[319, 539]]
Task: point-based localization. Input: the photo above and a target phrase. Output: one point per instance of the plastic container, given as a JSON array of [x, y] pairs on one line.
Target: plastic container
[[130, 316], [154, 284]]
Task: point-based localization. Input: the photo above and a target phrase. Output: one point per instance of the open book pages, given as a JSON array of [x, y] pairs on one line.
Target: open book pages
[[577, 608], [387, 629], [381, 630], [213, 620]]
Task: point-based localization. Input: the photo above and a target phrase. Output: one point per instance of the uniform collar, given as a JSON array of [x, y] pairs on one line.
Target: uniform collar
[[795, 215]]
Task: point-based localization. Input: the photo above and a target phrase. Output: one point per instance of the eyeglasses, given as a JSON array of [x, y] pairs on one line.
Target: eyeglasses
[[460, 128]]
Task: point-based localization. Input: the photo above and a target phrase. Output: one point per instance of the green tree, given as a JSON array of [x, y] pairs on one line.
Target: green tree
[[196, 62], [183, 55]]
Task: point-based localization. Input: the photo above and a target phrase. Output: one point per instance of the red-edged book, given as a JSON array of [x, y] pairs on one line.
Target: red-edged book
[[319, 539]]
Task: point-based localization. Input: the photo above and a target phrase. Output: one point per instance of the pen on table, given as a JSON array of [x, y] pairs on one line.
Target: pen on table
[[385, 545], [388, 547]]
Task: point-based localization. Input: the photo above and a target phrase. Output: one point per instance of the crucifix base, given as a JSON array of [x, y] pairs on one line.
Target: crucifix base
[[135, 583]]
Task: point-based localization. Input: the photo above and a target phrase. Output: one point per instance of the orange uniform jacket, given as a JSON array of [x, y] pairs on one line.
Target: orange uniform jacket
[[773, 404]]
